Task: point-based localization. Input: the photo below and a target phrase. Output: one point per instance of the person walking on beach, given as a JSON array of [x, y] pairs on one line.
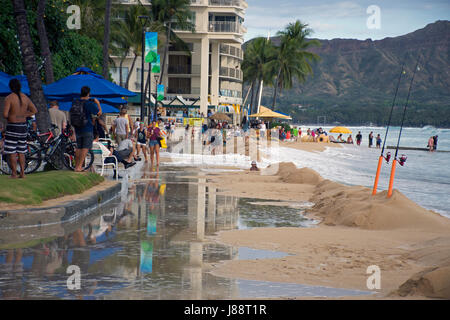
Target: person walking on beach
[[378, 141], [120, 127], [57, 117], [154, 134], [81, 118], [17, 108], [358, 138], [431, 144], [141, 141], [371, 139], [435, 140]]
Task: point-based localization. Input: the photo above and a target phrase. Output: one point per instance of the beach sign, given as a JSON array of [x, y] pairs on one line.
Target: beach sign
[[160, 92], [146, 261], [151, 47], [156, 65]]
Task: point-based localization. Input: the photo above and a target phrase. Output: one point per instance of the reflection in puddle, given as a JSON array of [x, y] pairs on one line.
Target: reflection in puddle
[[254, 254], [254, 214], [150, 244], [264, 289]]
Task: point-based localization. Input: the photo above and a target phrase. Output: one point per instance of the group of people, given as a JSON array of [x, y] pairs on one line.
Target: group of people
[[377, 141], [89, 126]]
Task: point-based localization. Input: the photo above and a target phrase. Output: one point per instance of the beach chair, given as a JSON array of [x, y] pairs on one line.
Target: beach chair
[[99, 160]]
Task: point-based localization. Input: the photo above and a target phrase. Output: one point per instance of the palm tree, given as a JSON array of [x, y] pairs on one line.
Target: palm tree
[[43, 40], [106, 36], [30, 65], [172, 14], [127, 33], [293, 58], [257, 65]]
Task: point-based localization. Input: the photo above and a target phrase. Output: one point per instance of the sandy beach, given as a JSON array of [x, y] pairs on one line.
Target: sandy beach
[[410, 245]]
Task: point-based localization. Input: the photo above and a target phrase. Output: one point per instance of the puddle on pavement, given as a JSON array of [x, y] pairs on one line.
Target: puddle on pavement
[[149, 244]]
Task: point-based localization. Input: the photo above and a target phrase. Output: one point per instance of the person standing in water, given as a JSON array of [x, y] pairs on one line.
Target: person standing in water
[[378, 141], [17, 108], [435, 140], [358, 138], [371, 139], [431, 144]]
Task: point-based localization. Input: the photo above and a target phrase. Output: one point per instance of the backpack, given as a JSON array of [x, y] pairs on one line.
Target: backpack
[[77, 114]]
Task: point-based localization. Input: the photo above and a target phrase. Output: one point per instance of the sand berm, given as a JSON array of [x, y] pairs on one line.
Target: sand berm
[[411, 245]]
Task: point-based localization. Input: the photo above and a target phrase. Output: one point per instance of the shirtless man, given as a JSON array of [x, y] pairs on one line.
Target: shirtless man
[[17, 108]]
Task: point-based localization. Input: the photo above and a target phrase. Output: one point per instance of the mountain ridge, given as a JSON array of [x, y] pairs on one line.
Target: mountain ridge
[[358, 77]]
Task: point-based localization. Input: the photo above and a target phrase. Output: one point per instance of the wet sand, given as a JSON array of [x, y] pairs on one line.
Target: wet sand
[[410, 245]]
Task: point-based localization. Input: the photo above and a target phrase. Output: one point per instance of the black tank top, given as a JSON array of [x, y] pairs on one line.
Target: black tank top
[[141, 136]]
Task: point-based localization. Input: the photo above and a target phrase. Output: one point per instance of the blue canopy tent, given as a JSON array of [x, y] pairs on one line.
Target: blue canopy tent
[[4, 83], [100, 88], [106, 108]]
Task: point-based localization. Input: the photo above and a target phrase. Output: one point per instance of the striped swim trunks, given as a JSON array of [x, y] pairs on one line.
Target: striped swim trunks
[[15, 138]]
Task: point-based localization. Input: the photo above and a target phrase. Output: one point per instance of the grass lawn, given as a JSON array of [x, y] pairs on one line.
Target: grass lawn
[[38, 187]]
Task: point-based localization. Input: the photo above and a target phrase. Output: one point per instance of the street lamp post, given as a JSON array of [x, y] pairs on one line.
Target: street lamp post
[[156, 97], [145, 18]]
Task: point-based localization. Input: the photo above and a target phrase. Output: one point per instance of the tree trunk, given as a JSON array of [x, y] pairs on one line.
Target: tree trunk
[[257, 94], [43, 40], [30, 66], [131, 71], [166, 52], [106, 36], [275, 90], [252, 97], [120, 71]]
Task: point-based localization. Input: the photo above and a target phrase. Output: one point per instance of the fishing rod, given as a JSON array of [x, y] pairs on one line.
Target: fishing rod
[[388, 155], [403, 158]]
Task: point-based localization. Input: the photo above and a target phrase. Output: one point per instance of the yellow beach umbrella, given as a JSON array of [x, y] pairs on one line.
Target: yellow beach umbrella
[[267, 113], [340, 130]]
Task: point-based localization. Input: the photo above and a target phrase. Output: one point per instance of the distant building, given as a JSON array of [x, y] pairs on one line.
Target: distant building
[[211, 76]]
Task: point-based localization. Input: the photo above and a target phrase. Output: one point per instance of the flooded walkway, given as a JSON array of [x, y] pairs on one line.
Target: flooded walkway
[[150, 243]]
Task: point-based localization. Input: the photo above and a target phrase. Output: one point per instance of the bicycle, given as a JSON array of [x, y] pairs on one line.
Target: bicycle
[[31, 162], [59, 152]]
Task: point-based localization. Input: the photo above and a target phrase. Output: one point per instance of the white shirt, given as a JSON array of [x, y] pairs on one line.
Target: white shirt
[[105, 151]]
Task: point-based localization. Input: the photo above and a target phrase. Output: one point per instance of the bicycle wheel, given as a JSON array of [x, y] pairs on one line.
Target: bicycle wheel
[[69, 157], [4, 166], [57, 158], [33, 159]]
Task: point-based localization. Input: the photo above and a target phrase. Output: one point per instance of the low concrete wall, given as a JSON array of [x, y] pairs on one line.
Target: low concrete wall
[[65, 212]]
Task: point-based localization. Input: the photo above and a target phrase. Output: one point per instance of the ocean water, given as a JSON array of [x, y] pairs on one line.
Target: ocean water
[[425, 178]]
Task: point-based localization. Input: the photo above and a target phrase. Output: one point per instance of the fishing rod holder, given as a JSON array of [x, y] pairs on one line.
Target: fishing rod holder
[[387, 157], [402, 160]]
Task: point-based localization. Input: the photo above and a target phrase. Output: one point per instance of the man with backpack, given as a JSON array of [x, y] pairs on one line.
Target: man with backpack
[[81, 119]]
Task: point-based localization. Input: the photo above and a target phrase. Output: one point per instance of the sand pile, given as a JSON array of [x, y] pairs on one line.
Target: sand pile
[[432, 283], [289, 173], [354, 206], [409, 243]]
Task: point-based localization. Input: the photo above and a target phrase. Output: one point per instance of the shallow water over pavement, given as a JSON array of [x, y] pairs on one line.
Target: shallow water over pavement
[[151, 243]]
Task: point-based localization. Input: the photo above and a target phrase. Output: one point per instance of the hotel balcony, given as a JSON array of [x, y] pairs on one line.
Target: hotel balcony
[[184, 70], [228, 3], [225, 27], [241, 4], [232, 51], [231, 73]]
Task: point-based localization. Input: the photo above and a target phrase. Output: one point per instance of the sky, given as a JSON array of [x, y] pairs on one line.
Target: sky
[[329, 19]]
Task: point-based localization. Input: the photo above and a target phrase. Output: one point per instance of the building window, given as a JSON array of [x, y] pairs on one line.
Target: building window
[[115, 74], [179, 86]]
